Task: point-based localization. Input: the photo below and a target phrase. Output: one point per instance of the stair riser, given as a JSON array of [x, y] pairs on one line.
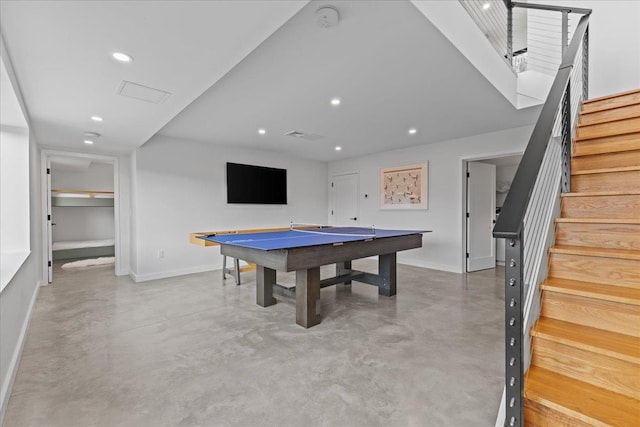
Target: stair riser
[[606, 315], [613, 236], [612, 102], [604, 116], [609, 181], [611, 144], [600, 370], [626, 206], [608, 160], [608, 271], [537, 415], [619, 127]]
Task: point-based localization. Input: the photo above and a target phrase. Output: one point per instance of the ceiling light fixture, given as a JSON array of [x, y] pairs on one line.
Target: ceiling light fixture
[[262, 131], [486, 6], [338, 148], [88, 141], [413, 131], [96, 118], [335, 101], [122, 57]]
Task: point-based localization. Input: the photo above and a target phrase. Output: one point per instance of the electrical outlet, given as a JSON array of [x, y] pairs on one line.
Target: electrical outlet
[[161, 254]]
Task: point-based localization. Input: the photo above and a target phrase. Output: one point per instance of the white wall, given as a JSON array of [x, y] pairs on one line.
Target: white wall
[[14, 198], [442, 249], [179, 188], [17, 298], [614, 44], [97, 177]]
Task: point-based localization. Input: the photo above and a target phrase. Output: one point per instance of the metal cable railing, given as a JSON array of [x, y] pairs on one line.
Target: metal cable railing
[[528, 36], [532, 204], [491, 17]]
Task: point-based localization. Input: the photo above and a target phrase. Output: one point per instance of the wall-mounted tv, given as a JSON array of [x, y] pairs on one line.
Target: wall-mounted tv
[[258, 185]]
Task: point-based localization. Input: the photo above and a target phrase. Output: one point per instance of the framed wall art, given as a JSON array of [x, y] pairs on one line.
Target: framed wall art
[[404, 187]]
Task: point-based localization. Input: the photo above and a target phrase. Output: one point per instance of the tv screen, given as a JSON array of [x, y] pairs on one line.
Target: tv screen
[[256, 185]]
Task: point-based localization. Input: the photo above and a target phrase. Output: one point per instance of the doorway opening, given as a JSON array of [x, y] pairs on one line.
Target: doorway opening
[[486, 183], [81, 201]]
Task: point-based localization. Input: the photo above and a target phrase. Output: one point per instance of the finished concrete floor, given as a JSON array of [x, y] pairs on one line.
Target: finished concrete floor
[[192, 351]]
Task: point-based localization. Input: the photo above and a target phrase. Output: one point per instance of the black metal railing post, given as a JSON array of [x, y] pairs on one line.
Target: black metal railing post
[[555, 117], [514, 277], [566, 139], [585, 65], [510, 34]]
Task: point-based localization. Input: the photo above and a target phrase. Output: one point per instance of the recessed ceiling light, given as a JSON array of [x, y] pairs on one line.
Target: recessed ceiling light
[[122, 57], [486, 6], [96, 118], [338, 148], [262, 131], [413, 131], [335, 101], [88, 141]]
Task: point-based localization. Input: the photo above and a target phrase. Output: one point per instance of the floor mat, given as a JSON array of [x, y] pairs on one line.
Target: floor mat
[[90, 262]]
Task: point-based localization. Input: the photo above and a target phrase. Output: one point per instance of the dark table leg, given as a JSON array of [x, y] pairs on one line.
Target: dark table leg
[[308, 297], [343, 268], [387, 271], [265, 278]]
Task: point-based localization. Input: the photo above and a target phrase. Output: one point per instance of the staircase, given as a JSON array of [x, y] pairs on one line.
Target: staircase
[[585, 367]]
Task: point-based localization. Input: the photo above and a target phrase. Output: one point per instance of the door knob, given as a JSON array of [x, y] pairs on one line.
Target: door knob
[[354, 218]]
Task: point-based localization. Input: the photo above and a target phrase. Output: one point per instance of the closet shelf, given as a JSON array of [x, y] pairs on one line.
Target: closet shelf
[[80, 198]]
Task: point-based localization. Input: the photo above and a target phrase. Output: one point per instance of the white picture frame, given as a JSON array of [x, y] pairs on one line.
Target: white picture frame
[[404, 187]]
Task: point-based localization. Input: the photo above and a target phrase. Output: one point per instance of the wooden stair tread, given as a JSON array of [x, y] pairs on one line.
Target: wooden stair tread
[[619, 294], [608, 144], [606, 170], [599, 252], [606, 106], [600, 220], [602, 130], [617, 112], [588, 403], [600, 193], [619, 346], [613, 95]]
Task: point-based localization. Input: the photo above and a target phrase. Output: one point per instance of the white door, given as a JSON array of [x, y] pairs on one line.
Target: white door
[[49, 225], [345, 199], [481, 212]]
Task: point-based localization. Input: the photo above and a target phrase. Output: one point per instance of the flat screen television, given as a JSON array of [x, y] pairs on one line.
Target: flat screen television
[[258, 185]]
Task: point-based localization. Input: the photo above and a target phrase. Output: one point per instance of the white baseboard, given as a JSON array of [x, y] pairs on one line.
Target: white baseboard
[[430, 265], [218, 266], [502, 411], [7, 382], [177, 272]]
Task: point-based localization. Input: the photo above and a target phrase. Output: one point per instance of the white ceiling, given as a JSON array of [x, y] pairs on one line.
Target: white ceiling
[[61, 53], [390, 66]]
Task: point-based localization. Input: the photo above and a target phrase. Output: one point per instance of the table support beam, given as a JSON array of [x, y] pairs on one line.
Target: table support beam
[[343, 268], [265, 279], [387, 271], [308, 297]]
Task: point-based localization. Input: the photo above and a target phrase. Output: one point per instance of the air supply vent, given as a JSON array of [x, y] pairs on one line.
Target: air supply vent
[[302, 135], [143, 93]]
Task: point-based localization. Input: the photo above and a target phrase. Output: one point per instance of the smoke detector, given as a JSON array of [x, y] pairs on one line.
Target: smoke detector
[[327, 17]]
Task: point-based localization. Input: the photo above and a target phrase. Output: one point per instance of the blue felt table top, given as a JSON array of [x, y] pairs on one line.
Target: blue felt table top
[[300, 238]]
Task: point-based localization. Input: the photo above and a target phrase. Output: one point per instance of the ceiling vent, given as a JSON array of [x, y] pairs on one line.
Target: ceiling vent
[[302, 135], [143, 93]]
